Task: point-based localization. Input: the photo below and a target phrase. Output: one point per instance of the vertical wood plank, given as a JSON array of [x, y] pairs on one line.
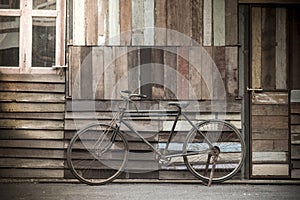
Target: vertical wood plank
[[79, 22], [137, 22], [219, 22], [195, 73], [75, 72], [207, 22], [281, 48], [98, 76], [170, 75], [268, 48], [114, 22], [145, 73], [109, 73], [197, 20], [157, 73], [102, 22], [160, 23], [231, 25], [184, 25], [121, 69], [172, 22], [207, 73], [231, 59], [148, 22], [256, 47], [91, 22], [183, 72], [219, 73], [86, 73], [133, 69], [125, 22]]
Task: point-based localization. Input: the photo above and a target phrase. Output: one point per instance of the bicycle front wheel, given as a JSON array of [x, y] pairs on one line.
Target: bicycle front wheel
[[97, 154], [226, 139]]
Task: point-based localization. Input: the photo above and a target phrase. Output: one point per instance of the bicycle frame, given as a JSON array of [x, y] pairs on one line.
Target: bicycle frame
[[176, 114]]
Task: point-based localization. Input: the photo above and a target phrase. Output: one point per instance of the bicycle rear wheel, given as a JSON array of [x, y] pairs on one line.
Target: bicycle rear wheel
[[226, 139], [97, 154]]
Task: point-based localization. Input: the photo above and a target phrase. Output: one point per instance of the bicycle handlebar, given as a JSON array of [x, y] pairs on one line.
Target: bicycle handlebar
[[130, 95]]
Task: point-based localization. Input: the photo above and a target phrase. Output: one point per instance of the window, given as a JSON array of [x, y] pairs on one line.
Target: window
[[31, 35]]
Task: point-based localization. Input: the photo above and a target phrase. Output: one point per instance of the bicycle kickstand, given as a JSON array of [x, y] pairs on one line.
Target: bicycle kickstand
[[215, 157]]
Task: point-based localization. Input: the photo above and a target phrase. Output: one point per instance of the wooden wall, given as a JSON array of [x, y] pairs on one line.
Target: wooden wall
[[31, 126], [111, 40], [295, 134], [154, 22]]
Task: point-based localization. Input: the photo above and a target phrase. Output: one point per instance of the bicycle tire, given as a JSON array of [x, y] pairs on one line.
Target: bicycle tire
[[97, 154], [226, 138]]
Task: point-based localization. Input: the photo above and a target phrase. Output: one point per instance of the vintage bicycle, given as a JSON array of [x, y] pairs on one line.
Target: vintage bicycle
[[213, 150]]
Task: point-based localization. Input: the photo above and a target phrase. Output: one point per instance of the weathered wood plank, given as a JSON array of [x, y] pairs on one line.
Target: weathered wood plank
[[270, 98], [207, 22], [133, 69], [74, 89], [256, 47], [32, 78], [31, 163], [183, 73], [79, 32], [32, 97], [145, 71], [32, 153], [231, 62], [197, 21], [207, 73], [109, 73], [121, 70], [195, 73], [272, 122], [6, 134], [137, 22], [33, 144], [148, 22], [281, 48], [114, 22], [268, 71], [32, 107], [266, 110], [219, 22], [231, 24], [30, 115], [160, 23], [125, 22], [31, 124], [32, 87], [184, 22], [269, 157], [170, 73], [31, 173], [270, 170], [219, 73], [86, 73], [158, 74], [172, 22], [91, 22], [103, 22], [98, 72]]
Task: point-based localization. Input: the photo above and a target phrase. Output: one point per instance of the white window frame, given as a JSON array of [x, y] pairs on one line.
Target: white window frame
[[26, 13]]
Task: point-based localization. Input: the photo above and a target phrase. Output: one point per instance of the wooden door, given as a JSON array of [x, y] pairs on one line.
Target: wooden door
[[269, 96]]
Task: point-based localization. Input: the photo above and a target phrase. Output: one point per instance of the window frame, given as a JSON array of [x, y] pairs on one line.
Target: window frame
[[26, 14]]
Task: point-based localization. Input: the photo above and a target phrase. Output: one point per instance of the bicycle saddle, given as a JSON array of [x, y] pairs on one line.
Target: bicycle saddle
[[181, 104]]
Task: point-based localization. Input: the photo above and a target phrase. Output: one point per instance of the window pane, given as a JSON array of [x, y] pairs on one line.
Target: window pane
[[43, 42], [9, 41], [9, 4], [44, 4]]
